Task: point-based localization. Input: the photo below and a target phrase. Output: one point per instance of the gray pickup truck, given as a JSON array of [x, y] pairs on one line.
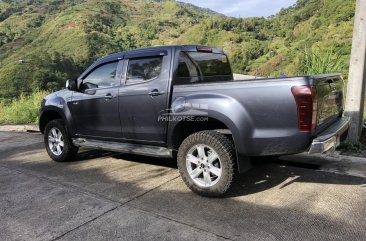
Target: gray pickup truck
[[182, 102]]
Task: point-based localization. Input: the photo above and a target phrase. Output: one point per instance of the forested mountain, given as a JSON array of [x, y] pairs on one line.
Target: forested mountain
[[43, 42]]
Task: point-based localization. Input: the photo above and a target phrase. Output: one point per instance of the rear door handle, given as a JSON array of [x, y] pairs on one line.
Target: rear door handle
[[155, 92]]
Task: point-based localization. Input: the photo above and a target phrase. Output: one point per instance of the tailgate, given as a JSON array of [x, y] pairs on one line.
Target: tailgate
[[329, 92]]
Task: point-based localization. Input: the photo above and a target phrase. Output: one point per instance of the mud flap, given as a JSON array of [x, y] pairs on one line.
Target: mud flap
[[243, 163]]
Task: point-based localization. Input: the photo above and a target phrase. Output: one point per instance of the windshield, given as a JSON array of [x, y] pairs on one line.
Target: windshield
[[197, 67]]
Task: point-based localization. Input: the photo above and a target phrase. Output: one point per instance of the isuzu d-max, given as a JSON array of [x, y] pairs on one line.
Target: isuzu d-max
[[182, 102]]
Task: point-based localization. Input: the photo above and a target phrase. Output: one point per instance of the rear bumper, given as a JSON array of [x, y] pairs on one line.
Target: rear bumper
[[329, 139]]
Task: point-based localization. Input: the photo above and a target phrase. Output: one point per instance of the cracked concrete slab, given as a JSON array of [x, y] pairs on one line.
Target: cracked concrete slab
[[108, 196], [104, 173], [271, 202], [14, 140], [127, 223], [31, 209]]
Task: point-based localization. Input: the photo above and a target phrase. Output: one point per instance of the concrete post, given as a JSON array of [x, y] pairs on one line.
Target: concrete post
[[357, 74]]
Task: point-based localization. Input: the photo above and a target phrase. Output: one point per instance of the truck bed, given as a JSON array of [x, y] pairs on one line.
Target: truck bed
[[265, 111]]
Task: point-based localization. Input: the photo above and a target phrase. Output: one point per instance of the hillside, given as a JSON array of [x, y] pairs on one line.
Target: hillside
[[56, 39]]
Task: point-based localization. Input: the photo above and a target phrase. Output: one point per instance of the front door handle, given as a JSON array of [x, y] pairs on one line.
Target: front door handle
[[108, 96], [155, 92]]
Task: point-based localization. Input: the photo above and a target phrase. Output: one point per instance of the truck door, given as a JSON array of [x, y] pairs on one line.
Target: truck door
[[95, 106], [144, 96]]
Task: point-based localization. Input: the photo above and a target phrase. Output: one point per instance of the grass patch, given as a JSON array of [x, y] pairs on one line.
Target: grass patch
[[23, 110]]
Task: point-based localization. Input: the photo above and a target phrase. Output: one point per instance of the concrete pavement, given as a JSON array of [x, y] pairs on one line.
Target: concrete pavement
[[111, 196]]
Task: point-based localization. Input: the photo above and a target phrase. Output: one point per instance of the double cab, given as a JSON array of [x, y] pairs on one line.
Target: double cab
[[182, 102]]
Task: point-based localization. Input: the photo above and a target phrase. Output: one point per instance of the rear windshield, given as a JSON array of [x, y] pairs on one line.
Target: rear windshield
[[197, 67]]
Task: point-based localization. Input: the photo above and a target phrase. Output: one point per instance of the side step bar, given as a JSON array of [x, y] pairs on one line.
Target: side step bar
[[145, 150]]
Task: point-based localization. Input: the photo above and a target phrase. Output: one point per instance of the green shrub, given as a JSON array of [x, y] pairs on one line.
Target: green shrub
[[318, 60], [349, 147], [23, 110]]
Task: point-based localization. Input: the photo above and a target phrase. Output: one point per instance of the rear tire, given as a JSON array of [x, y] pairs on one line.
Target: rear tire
[[206, 162], [58, 143]]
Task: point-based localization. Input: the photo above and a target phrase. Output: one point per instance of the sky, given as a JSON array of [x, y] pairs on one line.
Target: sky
[[243, 8]]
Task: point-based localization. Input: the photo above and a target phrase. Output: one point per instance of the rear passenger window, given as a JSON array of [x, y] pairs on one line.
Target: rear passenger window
[[143, 69], [198, 67]]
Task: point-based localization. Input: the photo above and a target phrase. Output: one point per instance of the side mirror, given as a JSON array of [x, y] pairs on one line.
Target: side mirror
[[71, 85]]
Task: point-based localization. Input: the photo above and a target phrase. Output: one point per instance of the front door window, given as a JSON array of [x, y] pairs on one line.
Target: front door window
[[102, 77]]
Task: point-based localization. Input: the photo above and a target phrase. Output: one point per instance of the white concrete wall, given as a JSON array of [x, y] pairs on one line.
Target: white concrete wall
[[245, 77]]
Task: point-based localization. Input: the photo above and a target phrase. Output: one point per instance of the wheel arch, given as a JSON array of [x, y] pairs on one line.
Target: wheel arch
[[181, 130], [48, 115]]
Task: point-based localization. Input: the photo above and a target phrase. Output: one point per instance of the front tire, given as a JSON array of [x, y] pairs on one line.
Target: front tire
[[206, 162], [58, 144]]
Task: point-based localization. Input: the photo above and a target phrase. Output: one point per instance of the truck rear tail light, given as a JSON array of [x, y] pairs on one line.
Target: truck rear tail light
[[306, 102], [204, 49]]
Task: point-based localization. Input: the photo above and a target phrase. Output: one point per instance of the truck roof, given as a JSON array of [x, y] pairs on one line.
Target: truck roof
[[143, 52], [188, 48]]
